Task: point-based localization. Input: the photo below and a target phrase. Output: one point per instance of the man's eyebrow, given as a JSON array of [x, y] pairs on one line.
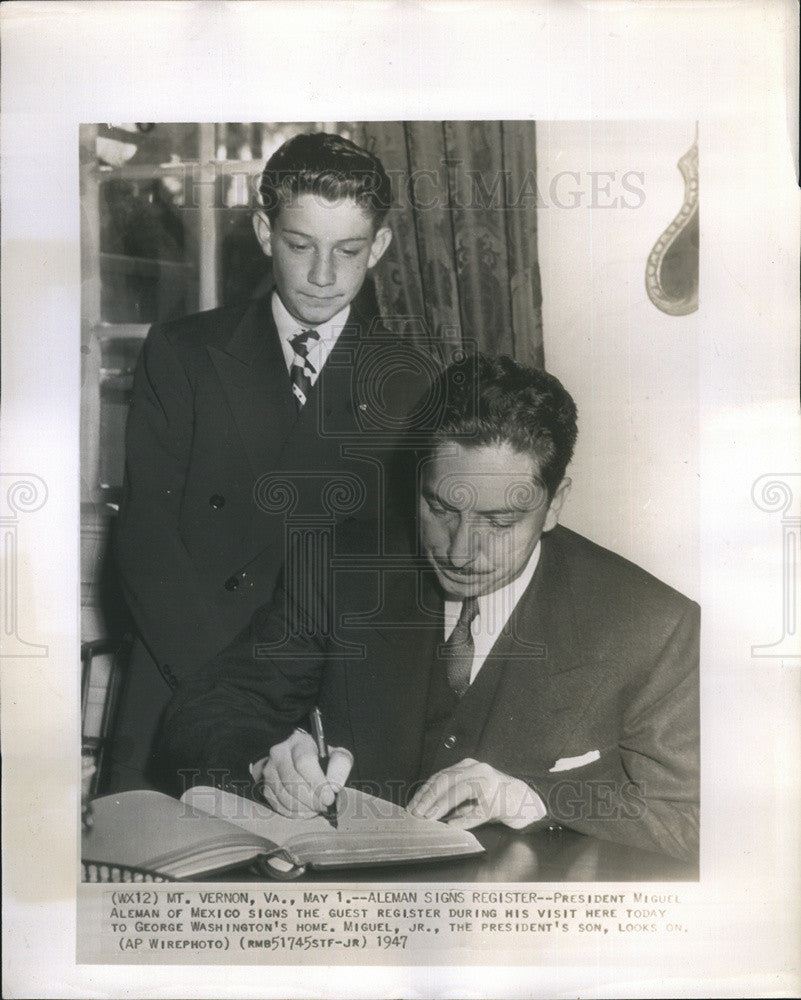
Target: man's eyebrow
[[430, 494]]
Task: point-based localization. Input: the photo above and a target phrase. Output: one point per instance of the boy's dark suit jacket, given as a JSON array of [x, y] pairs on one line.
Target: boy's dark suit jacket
[[598, 656], [217, 459]]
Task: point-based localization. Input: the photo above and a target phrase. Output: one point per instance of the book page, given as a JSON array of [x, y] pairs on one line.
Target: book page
[[252, 816], [368, 828]]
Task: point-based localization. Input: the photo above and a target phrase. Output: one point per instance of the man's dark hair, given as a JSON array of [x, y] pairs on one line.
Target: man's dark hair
[[328, 166], [495, 400]]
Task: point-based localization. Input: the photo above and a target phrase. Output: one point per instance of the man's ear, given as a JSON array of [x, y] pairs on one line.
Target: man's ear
[[381, 241], [555, 506], [263, 231]]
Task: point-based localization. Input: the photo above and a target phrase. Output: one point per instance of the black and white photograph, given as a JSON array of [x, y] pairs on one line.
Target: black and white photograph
[[335, 495], [425, 490]]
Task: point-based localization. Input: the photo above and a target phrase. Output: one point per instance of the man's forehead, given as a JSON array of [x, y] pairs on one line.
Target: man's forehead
[[496, 459], [486, 479], [488, 493]]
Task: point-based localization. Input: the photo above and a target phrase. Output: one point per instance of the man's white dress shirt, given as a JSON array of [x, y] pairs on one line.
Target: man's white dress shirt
[[494, 611]]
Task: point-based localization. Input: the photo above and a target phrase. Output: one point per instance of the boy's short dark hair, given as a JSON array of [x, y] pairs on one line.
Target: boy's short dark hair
[[329, 166], [495, 400]]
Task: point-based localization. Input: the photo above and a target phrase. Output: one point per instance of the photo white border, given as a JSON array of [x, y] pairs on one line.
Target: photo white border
[[728, 65]]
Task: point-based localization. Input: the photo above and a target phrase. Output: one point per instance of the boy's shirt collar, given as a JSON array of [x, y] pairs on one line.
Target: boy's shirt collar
[[288, 327]]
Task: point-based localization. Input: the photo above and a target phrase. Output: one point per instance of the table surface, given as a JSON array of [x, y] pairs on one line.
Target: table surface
[[547, 856]]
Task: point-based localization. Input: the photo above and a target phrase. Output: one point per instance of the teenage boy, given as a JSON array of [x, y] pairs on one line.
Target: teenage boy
[[241, 415]]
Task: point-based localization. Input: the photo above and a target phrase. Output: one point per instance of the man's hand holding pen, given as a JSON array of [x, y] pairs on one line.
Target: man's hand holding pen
[[466, 795], [302, 776], [292, 781]]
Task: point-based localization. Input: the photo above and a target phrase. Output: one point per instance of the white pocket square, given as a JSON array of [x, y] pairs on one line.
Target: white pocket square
[[568, 763]]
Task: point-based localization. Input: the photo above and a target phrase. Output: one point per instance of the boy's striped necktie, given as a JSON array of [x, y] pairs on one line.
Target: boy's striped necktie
[[302, 369]]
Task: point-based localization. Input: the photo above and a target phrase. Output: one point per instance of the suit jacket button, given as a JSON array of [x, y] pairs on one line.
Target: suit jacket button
[[231, 583], [449, 742], [216, 501]]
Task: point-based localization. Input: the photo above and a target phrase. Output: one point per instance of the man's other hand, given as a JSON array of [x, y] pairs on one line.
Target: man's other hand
[[470, 793], [291, 781]]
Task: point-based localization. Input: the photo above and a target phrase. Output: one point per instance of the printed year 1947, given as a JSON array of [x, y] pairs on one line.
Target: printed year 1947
[[392, 940]]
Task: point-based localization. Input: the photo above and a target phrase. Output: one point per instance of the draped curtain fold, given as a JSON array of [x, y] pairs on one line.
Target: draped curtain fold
[[463, 264]]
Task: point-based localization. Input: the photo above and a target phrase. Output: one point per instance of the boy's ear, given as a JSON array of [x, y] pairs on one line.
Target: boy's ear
[[555, 506], [381, 241], [263, 231]]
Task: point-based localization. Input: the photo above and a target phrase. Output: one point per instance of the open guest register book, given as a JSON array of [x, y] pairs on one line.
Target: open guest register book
[[210, 830]]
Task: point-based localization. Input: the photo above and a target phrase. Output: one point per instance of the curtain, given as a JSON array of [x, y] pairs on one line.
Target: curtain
[[463, 265]]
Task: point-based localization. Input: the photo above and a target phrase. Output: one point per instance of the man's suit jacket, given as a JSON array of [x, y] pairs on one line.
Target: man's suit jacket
[[218, 460], [590, 695]]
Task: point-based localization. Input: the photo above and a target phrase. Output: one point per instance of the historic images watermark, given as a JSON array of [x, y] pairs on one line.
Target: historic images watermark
[[573, 798], [22, 493], [236, 185], [778, 493]]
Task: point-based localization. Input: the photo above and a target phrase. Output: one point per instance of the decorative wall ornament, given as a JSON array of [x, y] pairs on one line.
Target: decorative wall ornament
[[671, 274]]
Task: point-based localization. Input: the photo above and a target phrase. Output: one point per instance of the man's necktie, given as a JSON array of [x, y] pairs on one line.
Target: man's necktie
[[459, 649], [302, 369]]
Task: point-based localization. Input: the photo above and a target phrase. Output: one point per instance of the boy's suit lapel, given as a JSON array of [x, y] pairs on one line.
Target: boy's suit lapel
[[253, 373], [254, 378], [329, 412]]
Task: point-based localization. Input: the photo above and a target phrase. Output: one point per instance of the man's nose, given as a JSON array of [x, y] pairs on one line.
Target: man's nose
[[464, 544], [322, 271]]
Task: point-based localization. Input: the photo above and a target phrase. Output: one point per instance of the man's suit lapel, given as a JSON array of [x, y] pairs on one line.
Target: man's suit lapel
[[254, 378], [545, 683], [542, 627]]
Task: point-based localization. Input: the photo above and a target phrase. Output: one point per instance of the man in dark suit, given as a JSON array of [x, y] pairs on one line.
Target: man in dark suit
[[508, 670], [244, 416]]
